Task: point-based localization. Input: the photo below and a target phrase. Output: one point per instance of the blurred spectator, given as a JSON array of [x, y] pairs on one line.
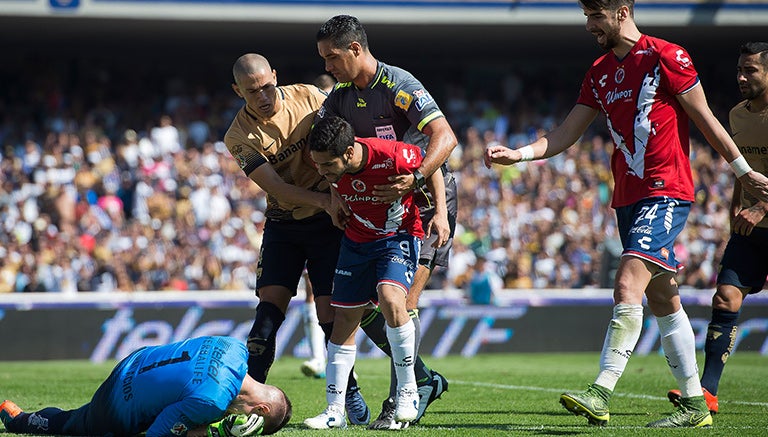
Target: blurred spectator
[[97, 196], [484, 283]]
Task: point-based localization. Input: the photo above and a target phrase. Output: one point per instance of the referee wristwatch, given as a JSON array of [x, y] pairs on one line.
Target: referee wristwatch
[[419, 180]]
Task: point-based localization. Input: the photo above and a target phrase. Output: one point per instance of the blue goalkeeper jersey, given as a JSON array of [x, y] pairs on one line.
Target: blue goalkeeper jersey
[[168, 390]]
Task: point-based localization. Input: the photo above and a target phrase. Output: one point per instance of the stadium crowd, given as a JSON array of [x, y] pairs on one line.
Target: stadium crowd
[[101, 191]]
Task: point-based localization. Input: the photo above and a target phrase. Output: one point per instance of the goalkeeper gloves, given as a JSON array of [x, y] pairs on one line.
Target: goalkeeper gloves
[[237, 425]]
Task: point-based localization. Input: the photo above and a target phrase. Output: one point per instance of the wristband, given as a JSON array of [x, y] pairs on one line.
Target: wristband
[[419, 180], [740, 166], [526, 153]]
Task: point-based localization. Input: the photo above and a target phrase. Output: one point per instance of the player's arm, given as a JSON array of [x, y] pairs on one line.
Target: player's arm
[[267, 178], [554, 142], [183, 416], [340, 212], [744, 220], [439, 222], [694, 103], [442, 141]]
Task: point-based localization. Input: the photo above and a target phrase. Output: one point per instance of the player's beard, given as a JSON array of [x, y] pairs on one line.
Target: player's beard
[[346, 167], [751, 92], [612, 38]]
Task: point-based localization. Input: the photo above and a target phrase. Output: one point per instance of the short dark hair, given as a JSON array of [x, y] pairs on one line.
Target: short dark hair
[[609, 5], [342, 30], [333, 135], [754, 48], [272, 426]]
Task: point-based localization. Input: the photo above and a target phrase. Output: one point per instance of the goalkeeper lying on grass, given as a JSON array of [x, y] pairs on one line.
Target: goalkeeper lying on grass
[[194, 388]]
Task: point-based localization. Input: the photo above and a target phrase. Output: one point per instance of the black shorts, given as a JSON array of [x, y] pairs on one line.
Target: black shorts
[[429, 256], [745, 261], [289, 246]]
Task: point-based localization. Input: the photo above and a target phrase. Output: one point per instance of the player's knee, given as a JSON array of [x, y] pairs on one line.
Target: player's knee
[[325, 312], [727, 298], [277, 295]]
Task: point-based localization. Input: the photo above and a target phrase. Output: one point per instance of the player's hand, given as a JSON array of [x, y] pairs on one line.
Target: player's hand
[[400, 186], [338, 210], [746, 220], [756, 184], [439, 225], [496, 154], [237, 425]]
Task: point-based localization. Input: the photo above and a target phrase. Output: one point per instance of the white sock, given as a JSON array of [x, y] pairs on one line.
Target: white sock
[[341, 359], [679, 345], [620, 340], [402, 340], [313, 332]]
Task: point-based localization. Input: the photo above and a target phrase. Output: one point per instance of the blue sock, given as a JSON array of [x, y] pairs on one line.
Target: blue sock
[[721, 337]]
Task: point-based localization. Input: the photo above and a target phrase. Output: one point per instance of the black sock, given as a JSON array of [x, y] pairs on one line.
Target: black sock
[[721, 337], [422, 371], [50, 421], [261, 340], [327, 329], [375, 327]]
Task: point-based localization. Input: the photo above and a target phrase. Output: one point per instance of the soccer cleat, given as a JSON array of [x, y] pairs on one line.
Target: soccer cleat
[[313, 369], [8, 411], [357, 410], [590, 403], [675, 396], [692, 413], [386, 419], [406, 404], [429, 392], [332, 417]]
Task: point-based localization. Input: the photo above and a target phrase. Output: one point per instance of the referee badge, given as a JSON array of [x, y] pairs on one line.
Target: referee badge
[[403, 100]]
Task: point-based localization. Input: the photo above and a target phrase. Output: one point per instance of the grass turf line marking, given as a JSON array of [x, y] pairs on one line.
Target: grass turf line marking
[[559, 391]]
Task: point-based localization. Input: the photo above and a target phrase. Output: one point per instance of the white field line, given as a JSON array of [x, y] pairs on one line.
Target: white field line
[[619, 394]]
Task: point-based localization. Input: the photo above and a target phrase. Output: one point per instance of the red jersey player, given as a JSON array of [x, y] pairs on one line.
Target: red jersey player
[[647, 88], [378, 257]]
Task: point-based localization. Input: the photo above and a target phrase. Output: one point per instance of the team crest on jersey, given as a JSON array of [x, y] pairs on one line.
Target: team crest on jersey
[[179, 428], [619, 76], [358, 185], [423, 98], [237, 153], [403, 100], [321, 112], [361, 103]]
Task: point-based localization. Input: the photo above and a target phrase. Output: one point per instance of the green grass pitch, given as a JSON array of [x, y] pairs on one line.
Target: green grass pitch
[[489, 395]]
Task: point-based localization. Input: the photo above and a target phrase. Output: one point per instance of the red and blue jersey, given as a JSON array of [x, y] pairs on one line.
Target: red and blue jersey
[[371, 220], [648, 125]]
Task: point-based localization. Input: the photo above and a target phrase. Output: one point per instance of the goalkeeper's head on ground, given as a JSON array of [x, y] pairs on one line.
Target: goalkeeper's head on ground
[[265, 401]]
